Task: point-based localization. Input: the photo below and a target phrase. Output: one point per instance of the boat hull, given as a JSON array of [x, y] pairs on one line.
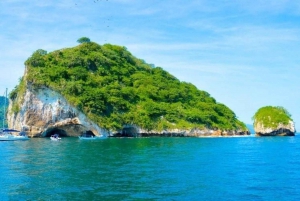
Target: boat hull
[[13, 138], [55, 139], [7, 135]]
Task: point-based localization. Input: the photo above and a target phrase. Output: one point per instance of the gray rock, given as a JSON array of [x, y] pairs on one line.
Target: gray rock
[[280, 130]]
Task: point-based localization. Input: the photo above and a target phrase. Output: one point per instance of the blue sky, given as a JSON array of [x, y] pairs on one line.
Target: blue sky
[[245, 53]]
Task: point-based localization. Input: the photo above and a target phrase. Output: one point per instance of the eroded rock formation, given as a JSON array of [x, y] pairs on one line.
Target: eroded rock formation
[[280, 130], [43, 112]]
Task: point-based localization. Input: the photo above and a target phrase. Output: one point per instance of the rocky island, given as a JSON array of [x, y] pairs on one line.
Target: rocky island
[[105, 90], [273, 121]]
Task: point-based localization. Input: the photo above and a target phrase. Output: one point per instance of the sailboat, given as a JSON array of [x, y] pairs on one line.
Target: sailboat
[[8, 135], [11, 134]]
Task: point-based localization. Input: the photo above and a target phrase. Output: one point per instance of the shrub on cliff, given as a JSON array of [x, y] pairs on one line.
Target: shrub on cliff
[[271, 117], [83, 40], [113, 88]]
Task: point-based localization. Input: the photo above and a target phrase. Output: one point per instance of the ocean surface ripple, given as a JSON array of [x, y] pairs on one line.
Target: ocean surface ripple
[[245, 168]]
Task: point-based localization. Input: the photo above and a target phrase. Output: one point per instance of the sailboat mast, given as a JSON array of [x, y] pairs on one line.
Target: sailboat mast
[[4, 110]]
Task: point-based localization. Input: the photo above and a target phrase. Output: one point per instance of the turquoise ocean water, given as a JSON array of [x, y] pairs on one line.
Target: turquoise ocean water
[[237, 168]]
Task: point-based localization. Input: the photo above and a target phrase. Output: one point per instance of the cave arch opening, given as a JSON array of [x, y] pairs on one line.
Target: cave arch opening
[[52, 131], [88, 133], [129, 131]]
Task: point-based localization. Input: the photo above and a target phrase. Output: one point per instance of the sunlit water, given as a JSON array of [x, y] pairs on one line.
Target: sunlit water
[[246, 168]]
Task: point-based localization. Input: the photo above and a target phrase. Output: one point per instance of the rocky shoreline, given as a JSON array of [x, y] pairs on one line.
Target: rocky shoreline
[[44, 112], [135, 131], [279, 132]]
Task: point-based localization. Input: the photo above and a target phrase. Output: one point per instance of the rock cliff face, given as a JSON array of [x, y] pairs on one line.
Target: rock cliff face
[[44, 112], [280, 130], [136, 131]]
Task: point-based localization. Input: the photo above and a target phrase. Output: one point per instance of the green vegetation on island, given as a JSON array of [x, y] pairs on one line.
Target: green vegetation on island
[[272, 116], [114, 88]]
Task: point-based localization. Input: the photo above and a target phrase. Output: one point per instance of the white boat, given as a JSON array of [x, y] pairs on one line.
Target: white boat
[[55, 137], [8, 135], [11, 134]]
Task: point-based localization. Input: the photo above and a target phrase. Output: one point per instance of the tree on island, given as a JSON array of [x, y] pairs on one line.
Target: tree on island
[[41, 52], [273, 121], [84, 40], [114, 88], [272, 116]]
